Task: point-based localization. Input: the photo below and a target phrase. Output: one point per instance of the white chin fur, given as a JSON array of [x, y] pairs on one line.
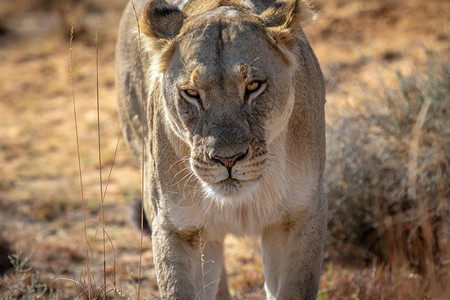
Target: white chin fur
[[232, 194]]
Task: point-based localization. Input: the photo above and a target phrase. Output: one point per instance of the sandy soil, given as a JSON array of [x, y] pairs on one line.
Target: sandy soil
[[359, 45]]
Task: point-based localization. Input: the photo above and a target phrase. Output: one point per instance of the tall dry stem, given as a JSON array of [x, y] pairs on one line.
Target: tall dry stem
[[80, 171]]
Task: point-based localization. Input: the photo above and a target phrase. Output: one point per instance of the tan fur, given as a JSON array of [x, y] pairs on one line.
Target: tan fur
[[273, 137]]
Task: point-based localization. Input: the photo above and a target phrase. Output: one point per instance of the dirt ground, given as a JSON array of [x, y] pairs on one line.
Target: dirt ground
[[359, 44]]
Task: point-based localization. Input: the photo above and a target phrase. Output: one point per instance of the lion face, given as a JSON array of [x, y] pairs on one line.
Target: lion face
[[227, 91]]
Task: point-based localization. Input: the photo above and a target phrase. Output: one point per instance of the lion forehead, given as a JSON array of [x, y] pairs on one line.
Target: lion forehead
[[221, 33], [225, 49], [233, 14]]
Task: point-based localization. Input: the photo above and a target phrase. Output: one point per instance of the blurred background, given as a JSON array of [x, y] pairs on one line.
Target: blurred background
[[386, 65]]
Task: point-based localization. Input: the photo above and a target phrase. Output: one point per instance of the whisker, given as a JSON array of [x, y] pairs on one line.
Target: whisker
[[191, 177], [182, 159], [271, 155], [209, 205], [176, 174]]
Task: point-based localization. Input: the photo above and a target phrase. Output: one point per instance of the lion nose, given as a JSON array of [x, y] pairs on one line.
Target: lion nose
[[229, 162]]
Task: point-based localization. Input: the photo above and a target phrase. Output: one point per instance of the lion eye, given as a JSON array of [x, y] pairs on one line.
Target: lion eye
[[253, 86], [192, 96], [192, 93]]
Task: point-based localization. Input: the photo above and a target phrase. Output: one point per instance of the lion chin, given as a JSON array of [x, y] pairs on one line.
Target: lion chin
[[231, 191]]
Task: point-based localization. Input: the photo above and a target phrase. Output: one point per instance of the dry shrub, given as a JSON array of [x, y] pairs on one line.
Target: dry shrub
[[24, 282], [389, 175], [68, 11], [60, 12]]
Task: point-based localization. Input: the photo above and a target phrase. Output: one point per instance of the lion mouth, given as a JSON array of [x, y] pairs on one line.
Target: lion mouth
[[226, 183]]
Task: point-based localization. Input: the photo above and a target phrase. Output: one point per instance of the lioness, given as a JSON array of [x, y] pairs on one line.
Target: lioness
[[229, 99]]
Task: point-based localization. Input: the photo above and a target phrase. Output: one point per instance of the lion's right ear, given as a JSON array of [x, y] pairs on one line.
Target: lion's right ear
[[161, 20]]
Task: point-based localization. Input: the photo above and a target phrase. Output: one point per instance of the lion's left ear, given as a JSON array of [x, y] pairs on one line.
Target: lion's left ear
[[284, 20], [161, 21]]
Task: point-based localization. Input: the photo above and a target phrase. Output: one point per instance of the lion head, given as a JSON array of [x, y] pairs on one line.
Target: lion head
[[226, 78]]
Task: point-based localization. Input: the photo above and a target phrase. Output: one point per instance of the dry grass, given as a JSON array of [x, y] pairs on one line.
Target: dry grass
[[388, 180], [388, 165], [383, 151]]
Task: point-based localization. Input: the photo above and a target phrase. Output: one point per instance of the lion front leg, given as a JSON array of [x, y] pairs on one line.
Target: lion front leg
[[187, 266], [292, 255]]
